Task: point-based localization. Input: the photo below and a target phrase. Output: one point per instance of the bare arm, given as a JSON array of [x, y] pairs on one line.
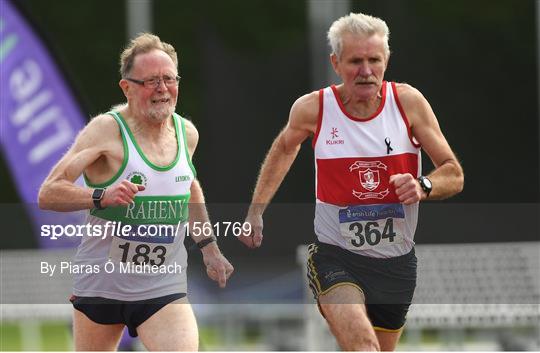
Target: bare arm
[[447, 177], [197, 207], [302, 123], [218, 267], [59, 191]]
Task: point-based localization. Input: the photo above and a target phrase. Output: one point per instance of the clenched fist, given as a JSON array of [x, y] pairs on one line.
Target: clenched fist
[[408, 190], [121, 194]]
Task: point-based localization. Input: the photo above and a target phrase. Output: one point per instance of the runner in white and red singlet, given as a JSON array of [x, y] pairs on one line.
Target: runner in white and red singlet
[[367, 136]]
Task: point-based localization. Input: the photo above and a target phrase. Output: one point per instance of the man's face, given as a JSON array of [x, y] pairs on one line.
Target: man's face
[[155, 103], [361, 65]]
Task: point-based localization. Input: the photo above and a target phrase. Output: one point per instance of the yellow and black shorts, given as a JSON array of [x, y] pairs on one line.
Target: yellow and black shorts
[[387, 284]]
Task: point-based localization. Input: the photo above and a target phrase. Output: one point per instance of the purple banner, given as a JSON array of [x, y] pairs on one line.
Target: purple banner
[[39, 117]]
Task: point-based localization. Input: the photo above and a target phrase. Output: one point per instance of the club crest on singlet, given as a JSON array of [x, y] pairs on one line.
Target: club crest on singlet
[[137, 178], [370, 179]]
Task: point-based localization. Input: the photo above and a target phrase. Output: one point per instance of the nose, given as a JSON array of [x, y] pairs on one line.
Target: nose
[[161, 86], [364, 70]]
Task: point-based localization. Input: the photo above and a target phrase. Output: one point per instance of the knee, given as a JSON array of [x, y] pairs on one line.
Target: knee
[[351, 328], [365, 343], [355, 337]]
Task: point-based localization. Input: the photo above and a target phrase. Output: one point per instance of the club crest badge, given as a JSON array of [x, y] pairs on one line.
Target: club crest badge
[[369, 177], [137, 178]]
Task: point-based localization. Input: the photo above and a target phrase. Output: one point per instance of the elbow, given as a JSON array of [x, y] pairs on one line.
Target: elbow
[[460, 184], [287, 150], [283, 148], [42, 198], [460, 181]]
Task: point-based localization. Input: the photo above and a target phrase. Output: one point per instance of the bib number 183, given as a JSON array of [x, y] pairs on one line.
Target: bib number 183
[[143, 254], [139, 253]]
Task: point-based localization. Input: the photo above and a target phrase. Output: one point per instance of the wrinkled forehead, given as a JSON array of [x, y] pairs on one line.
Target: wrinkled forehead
[[153, 63], [362, 43]]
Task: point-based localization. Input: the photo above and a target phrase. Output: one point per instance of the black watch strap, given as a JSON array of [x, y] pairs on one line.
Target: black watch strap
[[205, 242], [425, 184], [97, 204]]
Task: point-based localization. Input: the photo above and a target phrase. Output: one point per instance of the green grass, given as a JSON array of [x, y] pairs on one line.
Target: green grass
[[10, 338], [54, 336]]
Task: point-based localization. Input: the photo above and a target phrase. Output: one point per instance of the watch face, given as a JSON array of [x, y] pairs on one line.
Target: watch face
[[426, 182], [98, 194]]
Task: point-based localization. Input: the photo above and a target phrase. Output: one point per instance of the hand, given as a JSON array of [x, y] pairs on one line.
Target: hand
[[254, 238], [218, 268], [408, 189], [121, 194]]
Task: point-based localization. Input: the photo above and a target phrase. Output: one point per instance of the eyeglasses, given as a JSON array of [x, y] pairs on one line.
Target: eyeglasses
[[169, 81]]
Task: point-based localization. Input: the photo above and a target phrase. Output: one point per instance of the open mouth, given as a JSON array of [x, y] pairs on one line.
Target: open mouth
[[162, 100]]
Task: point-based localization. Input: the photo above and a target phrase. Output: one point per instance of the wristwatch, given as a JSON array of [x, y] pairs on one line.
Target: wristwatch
[[97, 195], [425, 184]]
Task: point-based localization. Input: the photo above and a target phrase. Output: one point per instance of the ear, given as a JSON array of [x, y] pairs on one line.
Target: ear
[[335, 61], [386, 63], [124, 85]]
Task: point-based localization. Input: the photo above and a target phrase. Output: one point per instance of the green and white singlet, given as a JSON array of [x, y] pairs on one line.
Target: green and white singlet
[[150, 260]]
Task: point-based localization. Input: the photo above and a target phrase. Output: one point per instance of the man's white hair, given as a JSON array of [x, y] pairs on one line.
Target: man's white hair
[[359, 24]]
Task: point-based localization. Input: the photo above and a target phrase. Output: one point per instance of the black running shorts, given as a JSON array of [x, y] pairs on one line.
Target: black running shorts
[[130, 313], [388, 284]]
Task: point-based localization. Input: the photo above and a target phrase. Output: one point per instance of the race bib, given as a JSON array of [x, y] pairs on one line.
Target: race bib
[[370, 226], [142, 248]]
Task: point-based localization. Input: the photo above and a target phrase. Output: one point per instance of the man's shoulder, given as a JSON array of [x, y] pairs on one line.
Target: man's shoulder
[[188, 124], [102, 127], [102, 121], [192, 134], [308, 104], [414, 103], [410, 97], [309, 98]]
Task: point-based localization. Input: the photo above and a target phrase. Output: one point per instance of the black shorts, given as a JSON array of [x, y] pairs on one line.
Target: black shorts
[[388, 284], [130, 313]]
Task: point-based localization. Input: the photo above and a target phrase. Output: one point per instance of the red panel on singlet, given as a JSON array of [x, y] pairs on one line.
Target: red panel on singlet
[[357, 181]]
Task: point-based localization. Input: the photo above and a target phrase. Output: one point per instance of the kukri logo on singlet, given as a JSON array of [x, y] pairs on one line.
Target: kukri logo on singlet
[[334, 134]]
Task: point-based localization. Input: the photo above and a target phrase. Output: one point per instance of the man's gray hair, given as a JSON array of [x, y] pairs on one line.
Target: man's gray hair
[[142, 44], [360, 24]]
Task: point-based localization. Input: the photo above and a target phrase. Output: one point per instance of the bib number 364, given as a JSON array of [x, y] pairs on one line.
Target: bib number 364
[[372, 233]]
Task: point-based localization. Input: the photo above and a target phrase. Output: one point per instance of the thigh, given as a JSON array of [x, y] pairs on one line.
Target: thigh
[[91, 336], [172, 328], [344, 309], [326, 271], [342, 305]]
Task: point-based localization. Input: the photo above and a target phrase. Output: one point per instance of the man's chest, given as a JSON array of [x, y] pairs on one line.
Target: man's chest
[[160, 153]]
